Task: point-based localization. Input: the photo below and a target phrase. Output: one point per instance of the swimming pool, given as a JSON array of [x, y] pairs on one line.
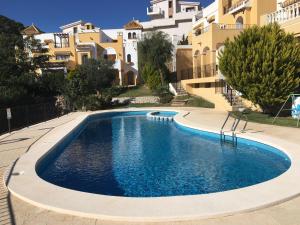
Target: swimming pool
[[124, 154]]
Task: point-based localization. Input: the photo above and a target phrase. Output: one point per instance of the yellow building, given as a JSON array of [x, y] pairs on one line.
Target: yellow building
[[226, 19], [80, 41]]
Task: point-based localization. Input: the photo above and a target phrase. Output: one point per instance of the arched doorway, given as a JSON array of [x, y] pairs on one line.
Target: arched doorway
[[239, 22], [206, 64], [130, 78]]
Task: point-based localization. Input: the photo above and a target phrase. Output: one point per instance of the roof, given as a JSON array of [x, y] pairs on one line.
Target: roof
[[80, 22], [31, 30], [133, 25]]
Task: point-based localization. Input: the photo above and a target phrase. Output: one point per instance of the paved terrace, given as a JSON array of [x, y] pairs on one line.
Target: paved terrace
[[15, 211]]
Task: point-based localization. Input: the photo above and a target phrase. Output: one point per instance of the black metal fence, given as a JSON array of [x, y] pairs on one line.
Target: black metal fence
[[23, 116]]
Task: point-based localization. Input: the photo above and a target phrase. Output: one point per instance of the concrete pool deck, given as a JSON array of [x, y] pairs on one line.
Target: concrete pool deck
[[284, 213]]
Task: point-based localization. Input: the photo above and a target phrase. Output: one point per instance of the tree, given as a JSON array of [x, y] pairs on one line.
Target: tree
[[184, 40], [88, 83], [151, 77], [263, 64], [156, 50], [19, 82]]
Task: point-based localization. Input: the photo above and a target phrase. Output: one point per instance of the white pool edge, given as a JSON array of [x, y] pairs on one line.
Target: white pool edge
[[31, 188]]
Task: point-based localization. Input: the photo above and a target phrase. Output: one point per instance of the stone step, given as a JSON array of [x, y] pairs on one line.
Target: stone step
[[177, 102]]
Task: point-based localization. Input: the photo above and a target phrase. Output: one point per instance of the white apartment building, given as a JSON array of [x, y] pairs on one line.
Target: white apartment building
[[80, 40]]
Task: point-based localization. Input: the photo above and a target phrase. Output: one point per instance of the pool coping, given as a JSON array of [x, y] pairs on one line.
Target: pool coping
[[29, 187]]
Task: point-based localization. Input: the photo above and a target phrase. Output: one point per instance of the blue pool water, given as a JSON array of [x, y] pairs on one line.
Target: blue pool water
[[126, 154]]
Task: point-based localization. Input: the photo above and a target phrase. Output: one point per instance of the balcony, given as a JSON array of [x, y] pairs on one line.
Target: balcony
[[198, 16], [288, 13], [241, 5], [154, 11], [221, 27]]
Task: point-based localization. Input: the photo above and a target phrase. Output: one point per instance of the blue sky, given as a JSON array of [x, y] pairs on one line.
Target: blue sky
[[49, 15]]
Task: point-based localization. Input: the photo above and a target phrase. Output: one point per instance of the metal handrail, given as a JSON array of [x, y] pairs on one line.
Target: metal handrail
[[234, 126]]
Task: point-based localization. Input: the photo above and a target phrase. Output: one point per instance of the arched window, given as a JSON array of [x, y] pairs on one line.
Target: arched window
[[129, 35], [134, 35], [129, 58], [239, 22]]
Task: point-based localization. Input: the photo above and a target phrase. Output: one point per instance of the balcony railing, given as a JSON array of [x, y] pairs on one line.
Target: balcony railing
[[204, 71], [202, 31], [240, 5], [285, 14], [61, 45], [220, 26], [288, 3], [233, 26]]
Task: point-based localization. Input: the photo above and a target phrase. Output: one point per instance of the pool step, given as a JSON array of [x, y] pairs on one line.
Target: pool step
[[155, 116]]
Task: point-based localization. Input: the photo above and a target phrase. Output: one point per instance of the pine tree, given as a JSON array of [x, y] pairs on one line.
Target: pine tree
[[262, 63]]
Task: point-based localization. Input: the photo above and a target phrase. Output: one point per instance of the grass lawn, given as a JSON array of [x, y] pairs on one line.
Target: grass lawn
[[199, 102], [258, 117], [193, 101], [137, 92]]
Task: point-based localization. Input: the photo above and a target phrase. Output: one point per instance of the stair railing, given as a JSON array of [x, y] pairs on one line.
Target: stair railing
[[233, 129]]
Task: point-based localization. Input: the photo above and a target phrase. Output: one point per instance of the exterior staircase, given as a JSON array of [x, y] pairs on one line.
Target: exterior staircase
[[233, 98], [177, 89], [178, 103]]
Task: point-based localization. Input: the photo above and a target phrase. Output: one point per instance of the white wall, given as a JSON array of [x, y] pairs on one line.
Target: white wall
[[209, 11], [45, 36], [108, 35]]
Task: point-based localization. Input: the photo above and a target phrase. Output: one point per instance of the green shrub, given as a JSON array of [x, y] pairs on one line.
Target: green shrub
[[262, 63], [164, 95], [94, 102], [151, 77]]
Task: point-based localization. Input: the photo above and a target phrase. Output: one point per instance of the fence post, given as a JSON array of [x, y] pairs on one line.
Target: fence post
[[44, 111]]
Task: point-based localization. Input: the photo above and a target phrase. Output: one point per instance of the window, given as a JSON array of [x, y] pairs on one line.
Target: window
[[110, 57], [129, 58], [170, 4], [62, 57], [61, 40], [84, 58], [129, 35], [75, 30], [239, 22], [134, 35], [190, 9]]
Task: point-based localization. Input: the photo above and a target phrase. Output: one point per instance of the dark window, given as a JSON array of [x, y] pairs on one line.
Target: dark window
[[84, 59], [129, 58], [112, 57], [61, 40], [190, 9], [129, 35], [62, 57], [170, 4], [134, 35], [75, 30]]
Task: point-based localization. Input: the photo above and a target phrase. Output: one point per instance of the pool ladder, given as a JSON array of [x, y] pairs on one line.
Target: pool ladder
[[234, 126]]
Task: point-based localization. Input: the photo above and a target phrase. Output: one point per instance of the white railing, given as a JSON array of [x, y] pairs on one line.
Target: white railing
[[154, 10], [172, 89], [285, 14], [238, 6]]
